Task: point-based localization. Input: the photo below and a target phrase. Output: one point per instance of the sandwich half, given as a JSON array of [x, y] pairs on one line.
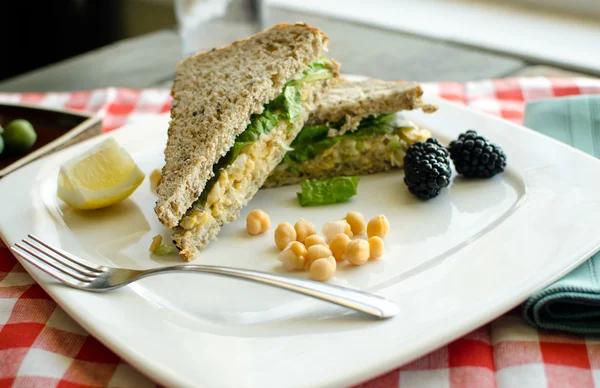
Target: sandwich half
[[235, 111], [355, 130]]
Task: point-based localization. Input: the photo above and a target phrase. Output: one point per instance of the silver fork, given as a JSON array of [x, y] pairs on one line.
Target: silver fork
[[81, 274]]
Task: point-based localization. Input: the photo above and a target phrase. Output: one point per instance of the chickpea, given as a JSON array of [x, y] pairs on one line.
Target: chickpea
[[338, 246], [377, 247], [316, 252], [356, 221], [257, 222], [304, 228], [154, 179], [357, 252], [314, 239], [156, 241], [284, 234], [322, 270], [293, 256], [332, 261], [333, 228], [378, 226]]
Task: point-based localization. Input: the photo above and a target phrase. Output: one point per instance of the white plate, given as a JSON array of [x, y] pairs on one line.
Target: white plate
[[453, 263]]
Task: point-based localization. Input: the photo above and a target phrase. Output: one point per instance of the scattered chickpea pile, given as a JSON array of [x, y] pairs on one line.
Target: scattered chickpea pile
[[303, 249]]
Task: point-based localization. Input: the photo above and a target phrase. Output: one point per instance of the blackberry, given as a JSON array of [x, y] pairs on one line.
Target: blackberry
[[475, 157], [426, 168]]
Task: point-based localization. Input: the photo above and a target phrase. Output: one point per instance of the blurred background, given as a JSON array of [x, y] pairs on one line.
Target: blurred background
[[63, 44], [53, 30]]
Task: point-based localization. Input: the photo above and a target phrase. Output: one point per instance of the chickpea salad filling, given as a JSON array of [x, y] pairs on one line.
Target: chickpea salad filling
[[320, 151], [255, 147]]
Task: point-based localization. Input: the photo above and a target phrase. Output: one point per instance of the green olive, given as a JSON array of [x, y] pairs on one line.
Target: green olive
[[1, 145], [19, 136], [1, 130]]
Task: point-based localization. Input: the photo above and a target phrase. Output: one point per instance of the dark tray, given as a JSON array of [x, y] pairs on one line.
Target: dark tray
[[55, 128]]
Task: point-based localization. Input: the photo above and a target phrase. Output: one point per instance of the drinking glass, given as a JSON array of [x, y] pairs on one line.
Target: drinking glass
[[206, 24]]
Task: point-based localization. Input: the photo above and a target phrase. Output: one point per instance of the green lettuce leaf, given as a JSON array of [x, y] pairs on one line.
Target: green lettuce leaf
[[166, 250], [373, 127], [317, 70], [311, 134], [309, 143], [310, 151], [329, 191], [313, 140], [293, 102]]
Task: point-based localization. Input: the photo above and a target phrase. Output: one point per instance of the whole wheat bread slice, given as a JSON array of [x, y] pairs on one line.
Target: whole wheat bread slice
[[354, 100], [214, 95]]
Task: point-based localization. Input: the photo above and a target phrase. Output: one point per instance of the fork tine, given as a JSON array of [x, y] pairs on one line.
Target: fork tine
[[53, 264], [67, 255], [58, 258], [45, 268]]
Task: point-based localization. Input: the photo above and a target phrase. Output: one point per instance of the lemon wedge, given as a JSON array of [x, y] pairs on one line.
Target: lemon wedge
[[102, 176]]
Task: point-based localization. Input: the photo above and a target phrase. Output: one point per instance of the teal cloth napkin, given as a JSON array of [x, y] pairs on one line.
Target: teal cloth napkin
[[571, 304]]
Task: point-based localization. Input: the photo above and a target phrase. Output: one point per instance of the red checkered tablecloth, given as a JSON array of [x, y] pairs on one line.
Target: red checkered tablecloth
[[40, 346]]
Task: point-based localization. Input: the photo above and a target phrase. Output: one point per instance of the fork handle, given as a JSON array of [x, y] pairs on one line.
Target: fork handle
[[357, 300]]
